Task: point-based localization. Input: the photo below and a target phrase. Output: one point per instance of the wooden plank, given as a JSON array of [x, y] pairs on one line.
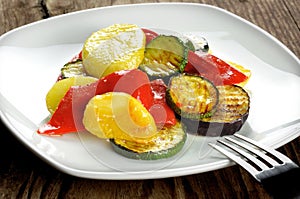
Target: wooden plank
[[293, 7], [19, 13], [274, 16], [23, 175], [256, 12]]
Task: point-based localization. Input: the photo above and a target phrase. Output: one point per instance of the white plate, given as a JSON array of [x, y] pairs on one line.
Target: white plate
[[32, 55]]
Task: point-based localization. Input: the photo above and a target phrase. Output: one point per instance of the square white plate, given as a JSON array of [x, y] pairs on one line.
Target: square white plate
[[31, 57]]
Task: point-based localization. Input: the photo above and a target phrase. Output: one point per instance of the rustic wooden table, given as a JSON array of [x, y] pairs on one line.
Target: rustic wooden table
[[23, 175]]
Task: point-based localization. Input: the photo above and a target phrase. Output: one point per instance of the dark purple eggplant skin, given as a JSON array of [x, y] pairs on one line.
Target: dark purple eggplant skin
[[213, 129]]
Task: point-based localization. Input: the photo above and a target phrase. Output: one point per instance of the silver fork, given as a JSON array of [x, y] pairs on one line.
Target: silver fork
[[279, 175]]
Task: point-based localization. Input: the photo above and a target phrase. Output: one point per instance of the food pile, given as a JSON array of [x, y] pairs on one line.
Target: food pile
[[144, 92]]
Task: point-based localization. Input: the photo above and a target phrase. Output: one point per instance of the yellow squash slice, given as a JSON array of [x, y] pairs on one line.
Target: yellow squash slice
[[118, 115], [60, 88], [117, 47]]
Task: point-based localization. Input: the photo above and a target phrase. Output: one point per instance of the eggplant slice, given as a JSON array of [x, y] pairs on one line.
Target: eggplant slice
[[231, 113], [192, 96]]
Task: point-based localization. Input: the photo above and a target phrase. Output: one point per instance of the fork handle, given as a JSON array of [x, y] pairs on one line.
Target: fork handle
[[283, 185]]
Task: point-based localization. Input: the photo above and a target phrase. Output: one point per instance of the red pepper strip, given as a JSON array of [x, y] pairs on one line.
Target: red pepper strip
[[68, 116], [214, 69], [161, 112], [149, 34], [134, 82]]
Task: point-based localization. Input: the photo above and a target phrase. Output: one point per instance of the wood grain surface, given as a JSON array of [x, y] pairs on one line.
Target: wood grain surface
[[23, 175]]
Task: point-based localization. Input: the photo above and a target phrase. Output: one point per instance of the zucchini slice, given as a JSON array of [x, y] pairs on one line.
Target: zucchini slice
[[192, 96], [164, 56], [158, 71], [166, 143], [189, 44], [230, 115], [72, 69], [199, 43]]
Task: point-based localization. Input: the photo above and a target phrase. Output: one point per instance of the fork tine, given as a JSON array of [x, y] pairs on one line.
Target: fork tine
[[248, 156], [253, 171], [254, 151], [271, 151]]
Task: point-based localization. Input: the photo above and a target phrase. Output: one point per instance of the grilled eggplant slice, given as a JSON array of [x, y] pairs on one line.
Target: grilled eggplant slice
[[166, 143], [230, 115], [192, 96]]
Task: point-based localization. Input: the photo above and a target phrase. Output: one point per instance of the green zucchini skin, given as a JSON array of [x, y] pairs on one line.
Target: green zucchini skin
[[200, 44], [192, 96], [170, 149], [189, 44], [229, 117], [164, 56]]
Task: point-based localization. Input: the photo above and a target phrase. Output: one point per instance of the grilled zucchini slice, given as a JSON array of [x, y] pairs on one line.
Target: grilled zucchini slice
[[192, 96], [166, 143], [230, 115], [72, 69], [158, 71], [165, 56], [197, 44]]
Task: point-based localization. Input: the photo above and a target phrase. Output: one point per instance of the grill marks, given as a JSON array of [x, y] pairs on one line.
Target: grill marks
[[233, 104], [206, 109], [192, 96]]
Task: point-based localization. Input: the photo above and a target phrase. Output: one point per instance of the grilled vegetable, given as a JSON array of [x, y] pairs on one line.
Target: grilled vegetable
[[215, 69], [189, 44], [113, 48], [67, 118], [192, 96], [164, 56], [60, 88], [158, 71], [230, 115], [150, 35], [118, 115], [71, 69], [166, 143], [162, 113], [198, 44]]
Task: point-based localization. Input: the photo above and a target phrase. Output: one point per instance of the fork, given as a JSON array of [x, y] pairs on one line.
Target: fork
[[279, 175]]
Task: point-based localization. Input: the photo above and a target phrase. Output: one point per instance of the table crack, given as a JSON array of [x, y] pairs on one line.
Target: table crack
[[291, 14], [44, 9]]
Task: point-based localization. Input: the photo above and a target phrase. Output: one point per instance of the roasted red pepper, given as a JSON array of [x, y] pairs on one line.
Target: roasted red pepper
[[161, 112], [214, 69], [208, 66], [149, 34], [68, 116]]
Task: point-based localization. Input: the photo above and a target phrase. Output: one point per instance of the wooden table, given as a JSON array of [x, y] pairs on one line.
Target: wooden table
[[23, 175]]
